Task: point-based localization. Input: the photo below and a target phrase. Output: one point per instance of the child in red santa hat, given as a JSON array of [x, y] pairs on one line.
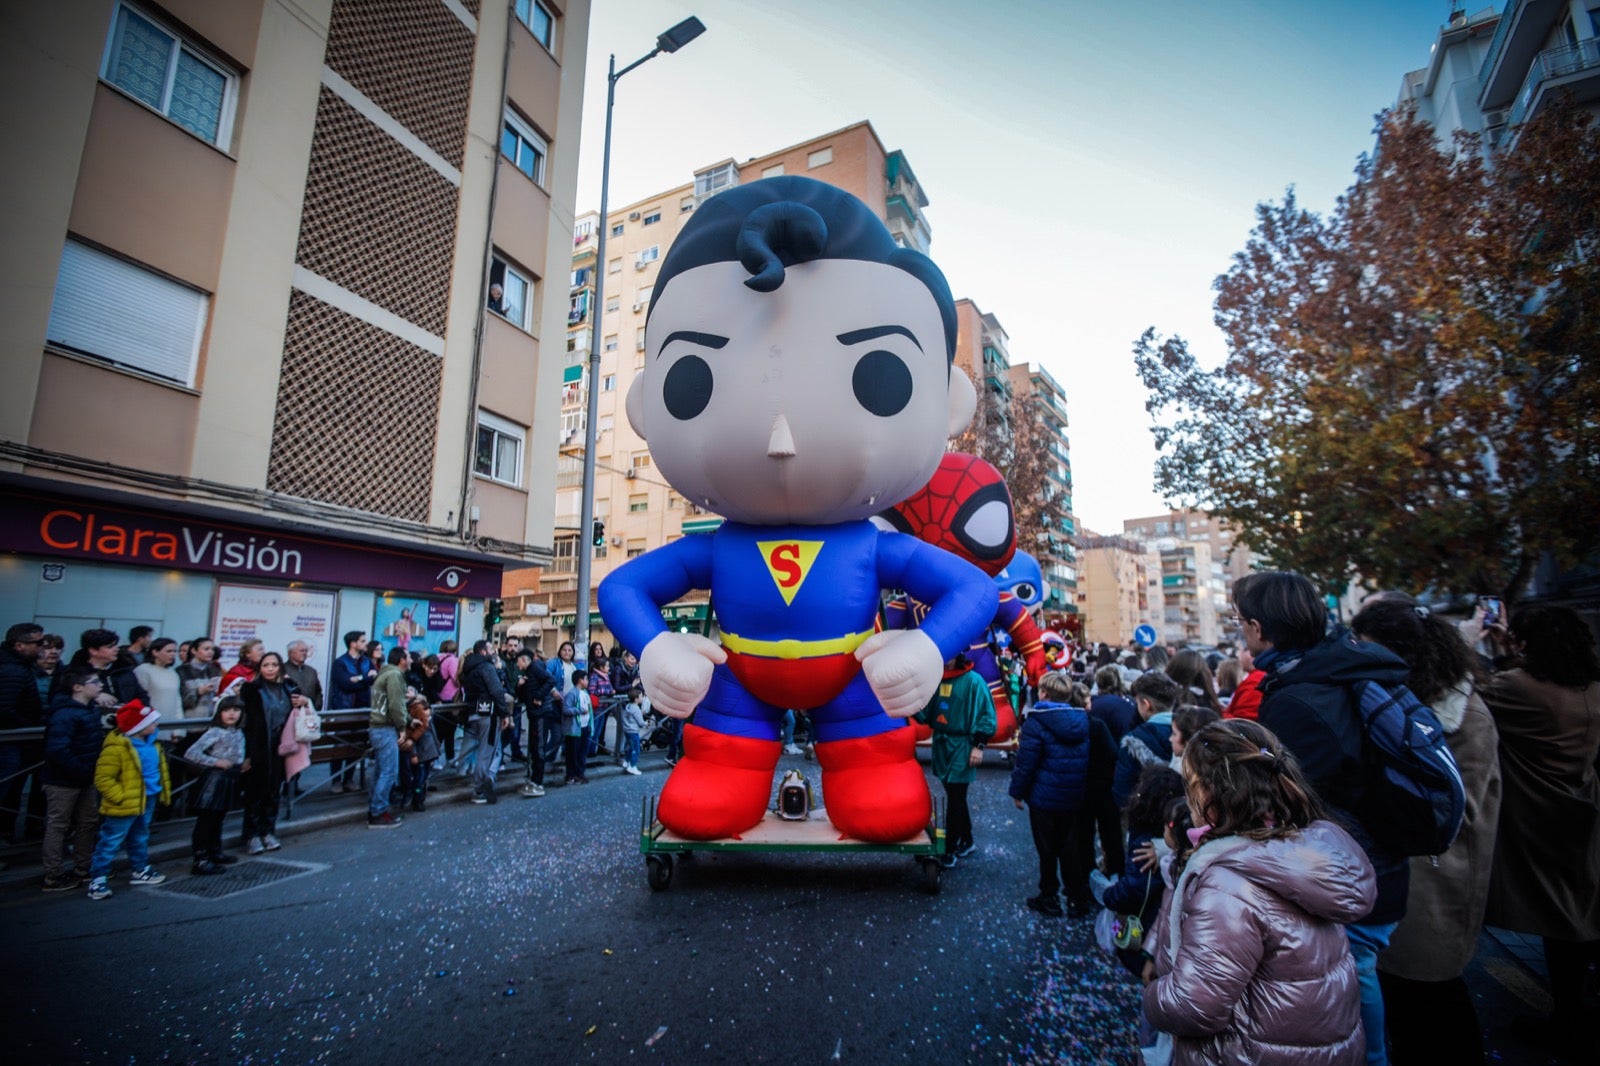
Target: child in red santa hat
[[131, 776]]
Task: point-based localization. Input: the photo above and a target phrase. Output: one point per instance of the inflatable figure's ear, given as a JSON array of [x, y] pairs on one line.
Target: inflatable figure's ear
[[634, 404], [963, 401]]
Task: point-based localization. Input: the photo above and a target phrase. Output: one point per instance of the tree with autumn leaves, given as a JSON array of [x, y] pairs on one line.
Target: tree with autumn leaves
[[1011, 431], [1411, 393]]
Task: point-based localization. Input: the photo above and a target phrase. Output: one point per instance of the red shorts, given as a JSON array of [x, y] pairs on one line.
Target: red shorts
[[798, 684]]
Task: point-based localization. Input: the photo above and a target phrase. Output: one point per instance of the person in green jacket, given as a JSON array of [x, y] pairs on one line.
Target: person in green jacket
[[131, 776], [385, 724], [963, 720]]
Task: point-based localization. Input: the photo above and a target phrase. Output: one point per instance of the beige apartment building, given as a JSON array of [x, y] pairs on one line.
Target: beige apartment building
[[282, 343], [1116, 594], [635, 507]]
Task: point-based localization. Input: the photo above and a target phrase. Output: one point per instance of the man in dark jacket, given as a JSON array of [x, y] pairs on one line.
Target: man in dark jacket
[[71, 748], [350, 684], [533, 692], [101, 651], [19, 709], [1308, 699], [488, 711]]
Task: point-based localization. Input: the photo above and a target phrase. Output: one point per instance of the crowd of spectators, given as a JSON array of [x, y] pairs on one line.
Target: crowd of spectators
[[1253, 882], [243, 736]]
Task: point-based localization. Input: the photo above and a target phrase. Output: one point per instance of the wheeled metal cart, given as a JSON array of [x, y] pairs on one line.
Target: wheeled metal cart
[[660, 845]]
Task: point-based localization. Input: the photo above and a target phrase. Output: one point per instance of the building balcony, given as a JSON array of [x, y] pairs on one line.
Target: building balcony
[[1574, 68], [1523, 29]]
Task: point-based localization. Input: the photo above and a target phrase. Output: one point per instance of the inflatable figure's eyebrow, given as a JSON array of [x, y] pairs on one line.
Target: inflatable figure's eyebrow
[[872, 333], [709, 340]]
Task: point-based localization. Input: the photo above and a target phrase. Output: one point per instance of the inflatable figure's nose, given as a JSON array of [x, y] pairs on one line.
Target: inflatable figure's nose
[[781, 444]]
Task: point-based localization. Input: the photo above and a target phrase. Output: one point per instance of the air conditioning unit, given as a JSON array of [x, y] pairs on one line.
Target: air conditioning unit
[[1496, 118], [616, 542], [633, 216], [641, 264], [631, 473], [638, 305]]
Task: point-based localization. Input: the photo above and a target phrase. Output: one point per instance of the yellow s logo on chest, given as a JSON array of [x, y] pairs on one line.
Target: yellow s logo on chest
[[789, 563]]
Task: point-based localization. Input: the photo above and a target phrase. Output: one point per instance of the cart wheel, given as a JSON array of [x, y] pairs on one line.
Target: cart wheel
[[931, 872], [658, 871]]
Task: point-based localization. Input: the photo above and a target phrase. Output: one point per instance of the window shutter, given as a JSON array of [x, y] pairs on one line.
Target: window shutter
[[107, 307]]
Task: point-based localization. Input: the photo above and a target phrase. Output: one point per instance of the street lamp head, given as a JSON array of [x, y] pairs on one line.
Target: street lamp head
[[681, 34]]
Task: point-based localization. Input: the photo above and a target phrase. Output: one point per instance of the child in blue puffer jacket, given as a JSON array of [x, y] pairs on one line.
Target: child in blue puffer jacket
[[1051, 777]]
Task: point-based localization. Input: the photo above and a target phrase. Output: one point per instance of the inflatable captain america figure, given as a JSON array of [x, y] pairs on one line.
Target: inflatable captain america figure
[[797, 381], [966, 509]]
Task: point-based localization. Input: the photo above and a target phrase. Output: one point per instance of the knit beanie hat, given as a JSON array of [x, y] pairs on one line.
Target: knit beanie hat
[[134, 716]]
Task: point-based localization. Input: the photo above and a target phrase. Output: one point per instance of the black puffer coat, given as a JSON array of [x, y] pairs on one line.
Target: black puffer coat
[[72, 743]]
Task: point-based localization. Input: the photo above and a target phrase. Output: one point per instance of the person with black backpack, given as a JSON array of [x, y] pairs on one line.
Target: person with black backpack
[[488, 712], [1341, 707]]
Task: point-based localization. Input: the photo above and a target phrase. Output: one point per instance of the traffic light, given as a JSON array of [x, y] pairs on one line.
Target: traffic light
[[496, 609], [599, 538]]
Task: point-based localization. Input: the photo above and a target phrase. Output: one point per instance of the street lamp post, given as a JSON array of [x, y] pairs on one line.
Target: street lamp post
[[670, 41]]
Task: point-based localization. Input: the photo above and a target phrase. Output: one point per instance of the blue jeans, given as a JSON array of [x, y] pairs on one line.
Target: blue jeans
[[485, 729], [787, 737], [386, 756], [633, 748], [134, 829], [597, 730], [1366, 943]]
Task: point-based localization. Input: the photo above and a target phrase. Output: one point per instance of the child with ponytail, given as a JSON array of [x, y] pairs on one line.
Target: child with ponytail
[[1249, 962]]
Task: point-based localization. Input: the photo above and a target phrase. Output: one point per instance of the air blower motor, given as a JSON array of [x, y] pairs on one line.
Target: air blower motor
[[794, 797]]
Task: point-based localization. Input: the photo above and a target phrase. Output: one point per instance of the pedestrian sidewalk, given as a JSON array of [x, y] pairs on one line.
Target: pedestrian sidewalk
[[316, 809]]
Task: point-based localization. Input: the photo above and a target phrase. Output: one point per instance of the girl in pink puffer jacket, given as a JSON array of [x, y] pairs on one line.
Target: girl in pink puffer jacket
[[1250, 964]]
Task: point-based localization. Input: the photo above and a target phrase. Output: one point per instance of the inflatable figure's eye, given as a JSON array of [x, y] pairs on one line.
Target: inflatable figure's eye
[[687, 388], [882, 383], [1024, 591]]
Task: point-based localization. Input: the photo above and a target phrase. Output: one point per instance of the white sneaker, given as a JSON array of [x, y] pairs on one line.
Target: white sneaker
[[630, 768], [791, 749], [147, 876], [254, 846], [270, 842], [531, 790]]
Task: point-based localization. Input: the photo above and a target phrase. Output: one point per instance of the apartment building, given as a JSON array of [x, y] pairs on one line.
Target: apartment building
[[1114, 594], [1198, 585], [634, 508], [282, 341], [1056, 552], [1492, 70]]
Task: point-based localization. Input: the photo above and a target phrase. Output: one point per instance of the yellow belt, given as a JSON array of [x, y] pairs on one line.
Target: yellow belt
[[795, 649]]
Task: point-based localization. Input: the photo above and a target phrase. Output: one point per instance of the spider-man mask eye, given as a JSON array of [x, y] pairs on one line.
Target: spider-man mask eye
[[965, 509]]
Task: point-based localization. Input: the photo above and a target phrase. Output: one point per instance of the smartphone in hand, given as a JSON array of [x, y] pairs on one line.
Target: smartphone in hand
[[1491, 610]]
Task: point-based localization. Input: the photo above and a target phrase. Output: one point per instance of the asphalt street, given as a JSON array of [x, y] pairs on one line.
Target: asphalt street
[[526, 930]]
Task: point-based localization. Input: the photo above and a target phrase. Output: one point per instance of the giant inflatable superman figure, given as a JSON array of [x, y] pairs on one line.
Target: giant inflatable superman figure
[[797, 381], [966, 509]]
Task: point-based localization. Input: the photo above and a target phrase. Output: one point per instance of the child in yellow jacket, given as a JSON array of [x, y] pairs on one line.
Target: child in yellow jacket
[[131, 776]]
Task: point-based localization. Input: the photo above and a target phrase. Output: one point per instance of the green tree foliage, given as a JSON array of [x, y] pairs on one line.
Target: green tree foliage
[[1410, 392]]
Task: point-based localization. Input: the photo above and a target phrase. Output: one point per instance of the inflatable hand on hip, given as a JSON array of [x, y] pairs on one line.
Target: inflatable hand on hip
[[676, 670], [903, 667]]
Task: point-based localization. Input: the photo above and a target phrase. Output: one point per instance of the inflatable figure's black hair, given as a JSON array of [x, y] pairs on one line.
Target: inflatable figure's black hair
[[773, 224]]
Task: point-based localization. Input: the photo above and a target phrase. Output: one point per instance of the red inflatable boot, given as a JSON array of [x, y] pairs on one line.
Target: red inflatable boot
[[720, 787], [873, 787]]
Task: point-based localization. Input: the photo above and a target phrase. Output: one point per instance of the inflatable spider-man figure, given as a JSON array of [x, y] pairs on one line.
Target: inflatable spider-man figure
[[966, 510]]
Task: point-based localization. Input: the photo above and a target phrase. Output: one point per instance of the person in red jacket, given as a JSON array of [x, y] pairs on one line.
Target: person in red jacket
[[1246, 700]]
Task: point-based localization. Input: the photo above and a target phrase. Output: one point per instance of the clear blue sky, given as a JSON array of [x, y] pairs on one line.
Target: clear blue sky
[[1090, 167]]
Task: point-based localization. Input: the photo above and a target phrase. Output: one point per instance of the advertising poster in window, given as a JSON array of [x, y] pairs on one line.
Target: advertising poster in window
[[275, 617], [415, 624]]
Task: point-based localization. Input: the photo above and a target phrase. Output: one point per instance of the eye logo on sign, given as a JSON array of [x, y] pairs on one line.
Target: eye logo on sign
[[789, 562], [451, 578]]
